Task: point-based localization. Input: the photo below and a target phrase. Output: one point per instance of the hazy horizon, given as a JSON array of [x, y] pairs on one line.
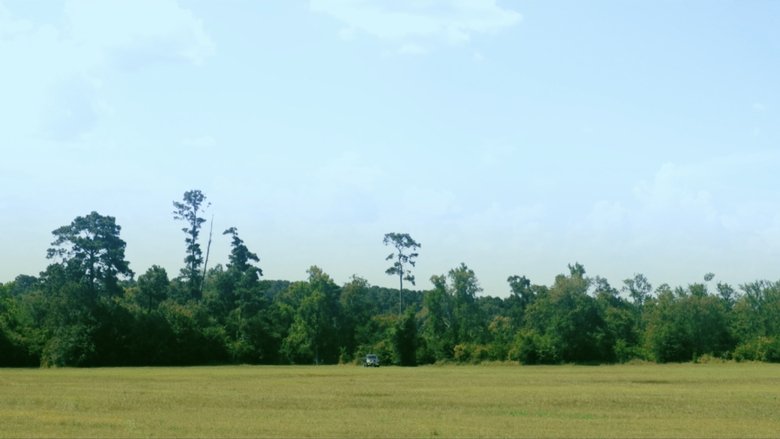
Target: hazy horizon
[[514, 136]]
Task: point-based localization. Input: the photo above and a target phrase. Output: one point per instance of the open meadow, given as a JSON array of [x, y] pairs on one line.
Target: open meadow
[[684, 400]]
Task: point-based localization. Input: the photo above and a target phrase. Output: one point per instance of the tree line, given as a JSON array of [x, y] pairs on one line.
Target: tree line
[[87, 308]]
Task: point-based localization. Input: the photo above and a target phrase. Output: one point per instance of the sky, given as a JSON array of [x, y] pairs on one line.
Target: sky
[[514, 136]]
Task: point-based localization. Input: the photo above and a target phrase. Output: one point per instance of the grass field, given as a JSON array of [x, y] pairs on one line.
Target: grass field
[[689, 400]]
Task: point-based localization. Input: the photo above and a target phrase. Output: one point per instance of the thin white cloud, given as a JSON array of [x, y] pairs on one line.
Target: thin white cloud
[[494, 154], [709, 206], [10, 26], [54, 76], [71, 110], [348, 170], [719, 214], [347, 33], [606, 216], [201, 142], [339, 189], [151, 30], [711, 183], [429, 203], [676, 187], [421, 23], [412, 49]]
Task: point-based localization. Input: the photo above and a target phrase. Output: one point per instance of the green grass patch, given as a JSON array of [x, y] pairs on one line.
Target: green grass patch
[[688, 400]]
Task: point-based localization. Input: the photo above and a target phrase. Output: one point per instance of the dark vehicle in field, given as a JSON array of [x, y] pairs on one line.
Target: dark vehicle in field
[[371, 360]]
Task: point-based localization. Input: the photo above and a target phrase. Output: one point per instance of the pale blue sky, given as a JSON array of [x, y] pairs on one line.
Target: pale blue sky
[[514, 136]]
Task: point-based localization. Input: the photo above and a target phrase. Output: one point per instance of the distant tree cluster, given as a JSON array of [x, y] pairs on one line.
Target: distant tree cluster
[[88, 309]]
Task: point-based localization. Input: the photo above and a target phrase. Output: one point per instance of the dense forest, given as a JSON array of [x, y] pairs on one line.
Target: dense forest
[[88, 308]]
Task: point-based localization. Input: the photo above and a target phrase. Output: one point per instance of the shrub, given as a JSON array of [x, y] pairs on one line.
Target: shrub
[[626, 352], [759, 349], [70, 346], [470, 353], [709, 359], [530, 347]]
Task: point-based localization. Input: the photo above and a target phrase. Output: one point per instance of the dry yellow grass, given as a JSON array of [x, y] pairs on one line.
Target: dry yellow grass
[[710, 400]]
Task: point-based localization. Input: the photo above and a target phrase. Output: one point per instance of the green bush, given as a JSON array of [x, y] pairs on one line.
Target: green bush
[[759, 349], [709, 359], [385, 350], [470, 353], [532, 348], [70, 346], [626, 352]]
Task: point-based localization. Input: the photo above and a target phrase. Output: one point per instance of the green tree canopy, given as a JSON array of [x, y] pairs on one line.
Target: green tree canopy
[[92, 252], [189, 211], [240, 257], [403, 257], [153, 287]]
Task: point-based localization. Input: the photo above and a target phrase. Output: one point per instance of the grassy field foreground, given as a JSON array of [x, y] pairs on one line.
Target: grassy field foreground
[[714, 400]]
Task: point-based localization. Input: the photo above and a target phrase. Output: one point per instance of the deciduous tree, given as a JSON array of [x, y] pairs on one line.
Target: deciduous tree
[[638, 289]]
